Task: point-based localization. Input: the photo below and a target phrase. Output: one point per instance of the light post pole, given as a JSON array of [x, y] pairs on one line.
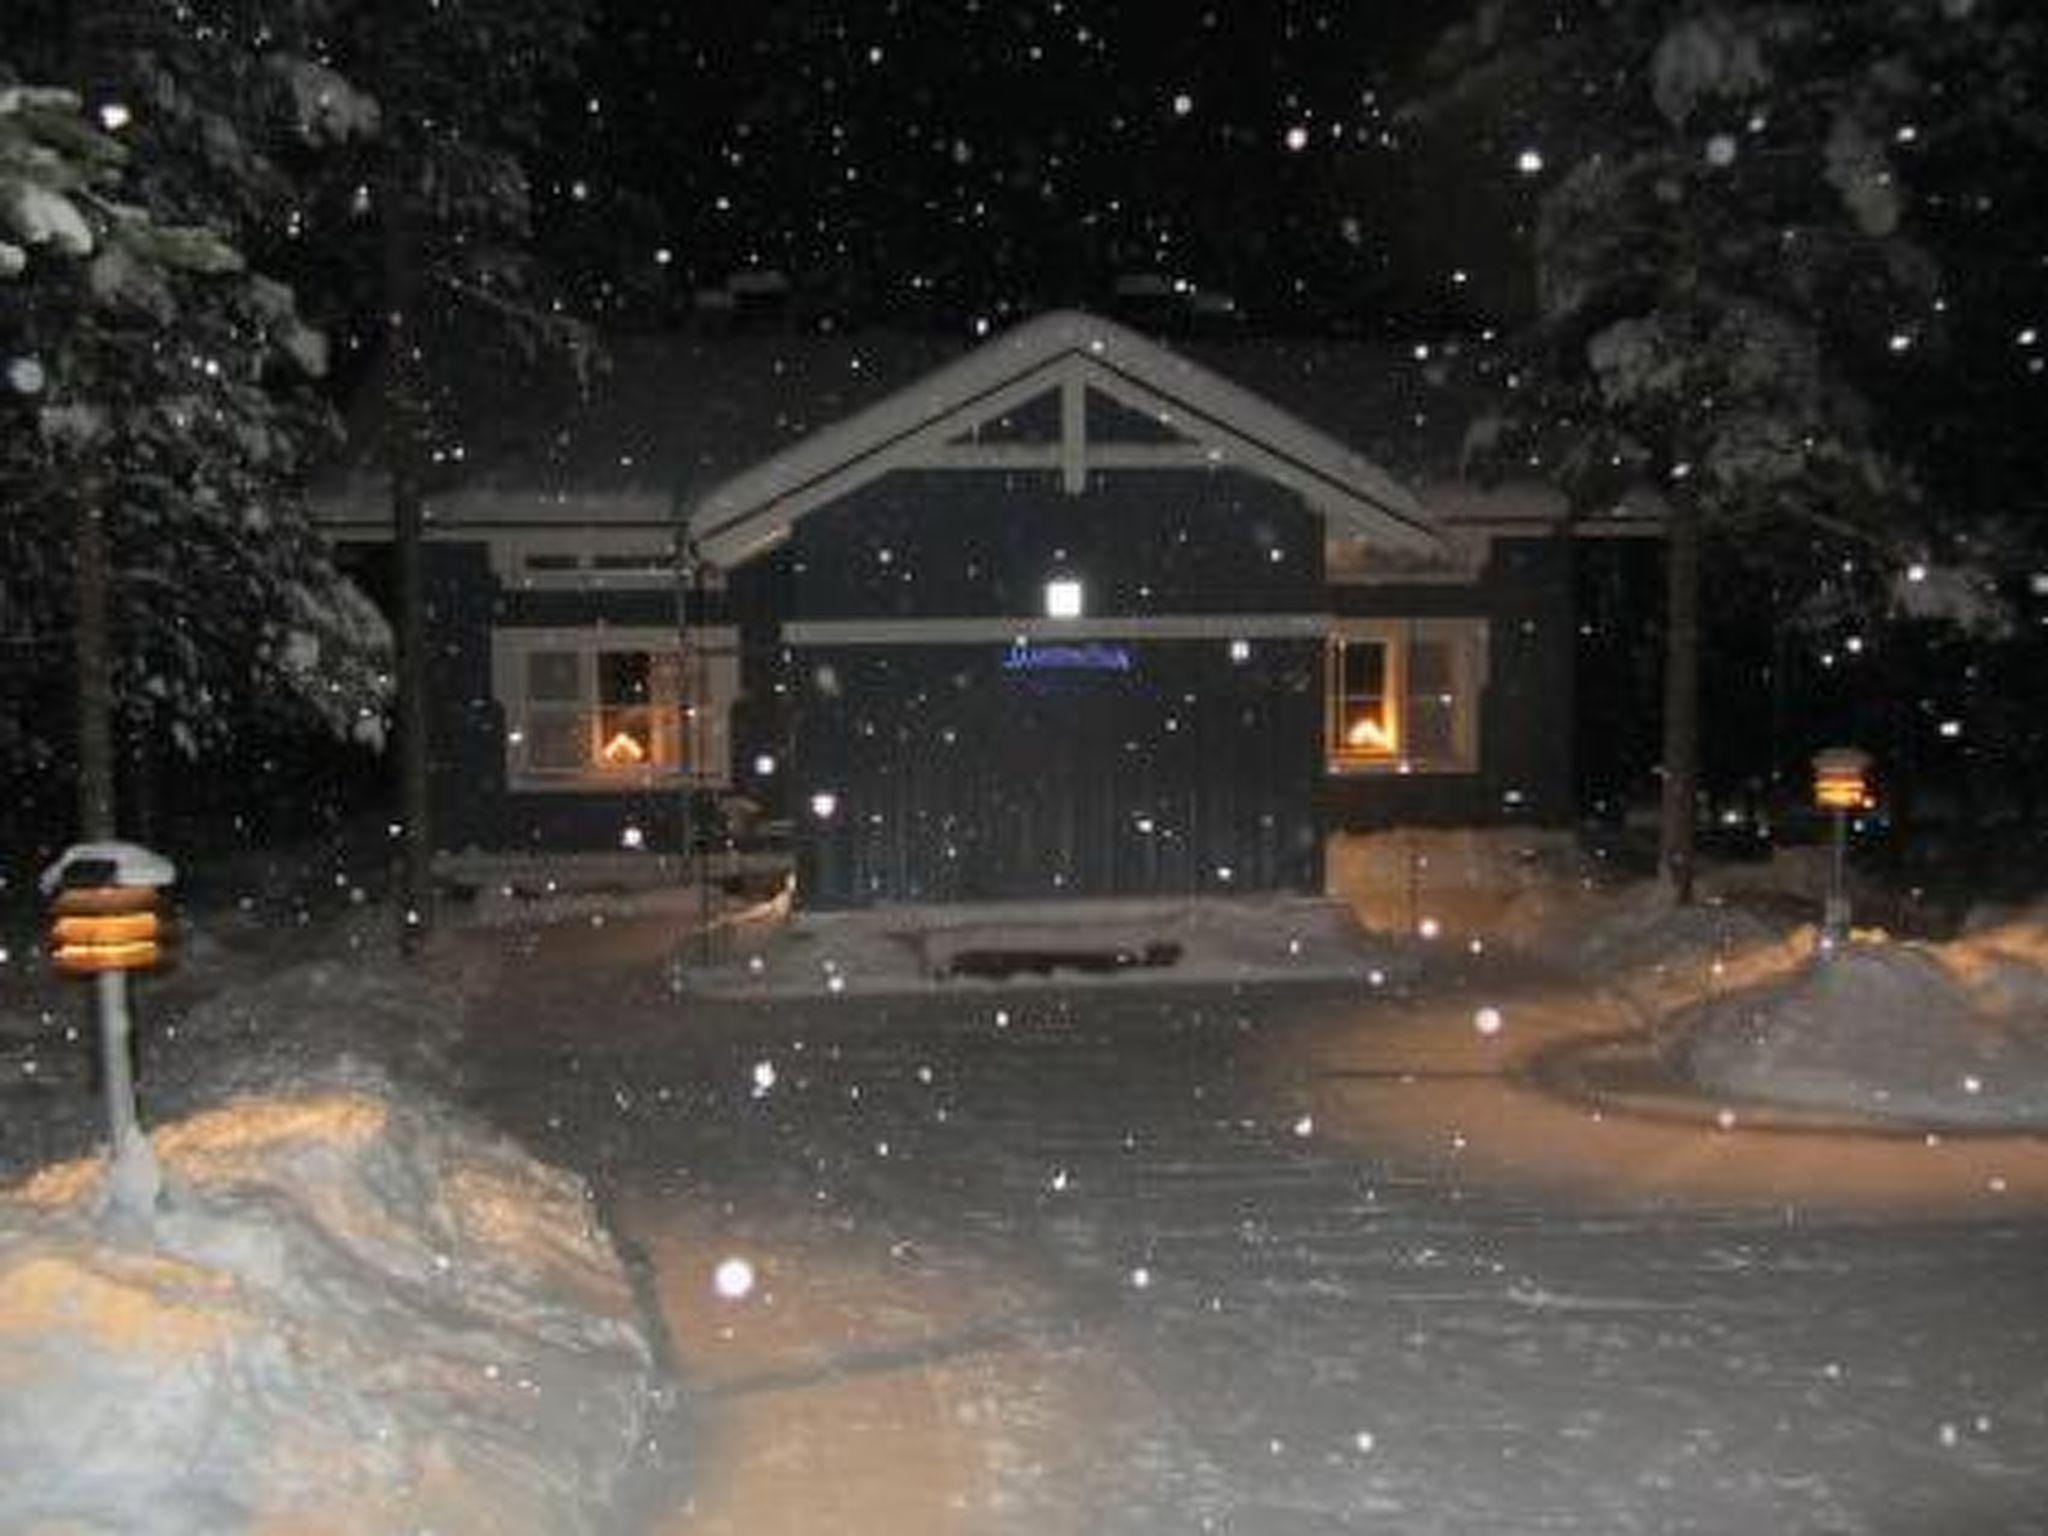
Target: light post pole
[[106, 920], [1841, 784]]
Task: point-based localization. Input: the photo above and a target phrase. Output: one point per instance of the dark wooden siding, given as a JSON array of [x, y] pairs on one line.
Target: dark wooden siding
[[956, 779], [928, 544]]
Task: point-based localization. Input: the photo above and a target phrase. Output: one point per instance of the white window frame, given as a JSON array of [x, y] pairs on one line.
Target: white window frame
[[1467, 639], [711, 671]]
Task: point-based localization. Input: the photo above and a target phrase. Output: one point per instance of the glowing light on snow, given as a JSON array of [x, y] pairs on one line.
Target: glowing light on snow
[[1487, 1021], [1530, 162], [733, 1279]]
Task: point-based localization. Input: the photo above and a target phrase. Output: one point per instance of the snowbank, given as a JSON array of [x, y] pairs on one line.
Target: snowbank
[[1944, 1035], [1635, 941], [1459, 879], [900, 949], [356, 1313]]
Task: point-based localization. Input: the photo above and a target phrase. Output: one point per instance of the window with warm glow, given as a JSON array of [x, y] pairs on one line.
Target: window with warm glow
[[1363, 725], [604, 708], [1403, 696]]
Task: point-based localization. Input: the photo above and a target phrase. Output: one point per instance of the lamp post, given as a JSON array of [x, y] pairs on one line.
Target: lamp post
[[106, 920], [1841, 784]]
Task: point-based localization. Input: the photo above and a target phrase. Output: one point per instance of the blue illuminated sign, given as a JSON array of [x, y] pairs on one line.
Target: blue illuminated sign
[[1093, 656]]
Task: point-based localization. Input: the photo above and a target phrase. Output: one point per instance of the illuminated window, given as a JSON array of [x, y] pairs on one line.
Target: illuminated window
[[1363, 727], [612, 708], [1403, 696]]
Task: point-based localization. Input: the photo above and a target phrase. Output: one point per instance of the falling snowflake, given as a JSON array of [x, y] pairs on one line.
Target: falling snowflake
[[733, 1279], [1487, 1021]]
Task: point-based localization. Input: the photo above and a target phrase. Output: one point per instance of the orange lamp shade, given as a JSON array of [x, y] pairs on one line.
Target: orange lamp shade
[[1841, 780], [107, 928]]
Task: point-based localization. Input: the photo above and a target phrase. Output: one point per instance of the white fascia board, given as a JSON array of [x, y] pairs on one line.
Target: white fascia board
[[728, 521], [1521, 506], [364, 511], [1332, 478]]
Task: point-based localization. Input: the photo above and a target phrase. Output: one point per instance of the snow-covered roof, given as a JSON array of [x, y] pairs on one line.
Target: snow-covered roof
[[1218, 422]]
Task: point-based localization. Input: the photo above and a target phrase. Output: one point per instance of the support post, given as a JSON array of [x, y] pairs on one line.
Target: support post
[[133, 1178]]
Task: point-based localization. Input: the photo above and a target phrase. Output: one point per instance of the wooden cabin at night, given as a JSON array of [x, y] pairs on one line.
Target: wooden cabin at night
[[1071, 615]]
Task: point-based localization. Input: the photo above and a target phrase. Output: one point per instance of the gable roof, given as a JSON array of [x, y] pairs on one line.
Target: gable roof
[[1203, 418]]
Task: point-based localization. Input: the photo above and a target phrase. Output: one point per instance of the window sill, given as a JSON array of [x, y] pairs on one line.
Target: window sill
[[1397, 770], [608, 784]]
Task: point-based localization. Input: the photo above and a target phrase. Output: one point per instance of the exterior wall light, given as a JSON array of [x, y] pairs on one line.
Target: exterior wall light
[[1063, 598]]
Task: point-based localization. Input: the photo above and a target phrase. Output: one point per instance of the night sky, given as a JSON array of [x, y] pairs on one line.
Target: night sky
[[944, 164]]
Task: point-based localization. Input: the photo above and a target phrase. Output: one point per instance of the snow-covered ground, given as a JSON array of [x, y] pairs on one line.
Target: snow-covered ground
[[1273, 1261], [1139, 1257]]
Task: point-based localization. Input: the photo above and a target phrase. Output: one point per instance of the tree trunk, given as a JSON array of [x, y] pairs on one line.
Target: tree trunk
[[1681, 697], [404, 411], [92, 661]]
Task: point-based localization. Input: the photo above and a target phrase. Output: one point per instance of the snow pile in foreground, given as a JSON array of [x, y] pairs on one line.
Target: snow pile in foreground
[[355, 1313], [1952, 1034]]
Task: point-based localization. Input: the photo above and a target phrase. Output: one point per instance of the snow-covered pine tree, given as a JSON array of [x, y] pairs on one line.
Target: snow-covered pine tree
[[415, 208], [1727, 255], [371, 152], [151, 450]]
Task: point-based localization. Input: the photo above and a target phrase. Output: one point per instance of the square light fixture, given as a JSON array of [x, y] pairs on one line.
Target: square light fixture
[[1063, 598]]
